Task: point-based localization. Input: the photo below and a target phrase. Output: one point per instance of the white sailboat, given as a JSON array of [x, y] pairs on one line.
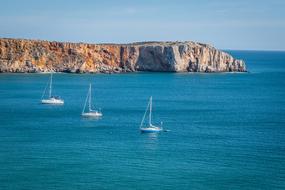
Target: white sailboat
[[56, 100], [150, 128], [90, 112]]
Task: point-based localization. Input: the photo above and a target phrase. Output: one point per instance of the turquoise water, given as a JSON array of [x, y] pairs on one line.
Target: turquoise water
[[227, 131]]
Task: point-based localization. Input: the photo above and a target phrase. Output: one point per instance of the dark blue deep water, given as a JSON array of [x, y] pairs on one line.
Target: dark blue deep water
[[227, 131]]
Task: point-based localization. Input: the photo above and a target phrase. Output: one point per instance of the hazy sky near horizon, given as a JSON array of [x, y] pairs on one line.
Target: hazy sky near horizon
[[226, 24]]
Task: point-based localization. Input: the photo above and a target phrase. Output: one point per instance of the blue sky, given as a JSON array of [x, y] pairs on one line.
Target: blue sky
[[226, 24]]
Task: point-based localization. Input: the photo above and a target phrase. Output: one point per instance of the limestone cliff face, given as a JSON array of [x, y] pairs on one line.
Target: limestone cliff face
[[43, 56]]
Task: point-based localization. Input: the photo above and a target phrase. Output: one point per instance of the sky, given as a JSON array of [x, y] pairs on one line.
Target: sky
[[225, 24]]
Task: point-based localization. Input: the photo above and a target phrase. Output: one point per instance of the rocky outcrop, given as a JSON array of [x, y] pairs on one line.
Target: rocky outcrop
[[17, 55]]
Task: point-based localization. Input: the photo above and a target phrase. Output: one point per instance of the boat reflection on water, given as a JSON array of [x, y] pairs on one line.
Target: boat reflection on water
[[151, 135], [150, 141]]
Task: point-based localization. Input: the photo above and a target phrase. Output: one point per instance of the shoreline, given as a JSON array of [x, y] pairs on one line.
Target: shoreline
[[126, 73]]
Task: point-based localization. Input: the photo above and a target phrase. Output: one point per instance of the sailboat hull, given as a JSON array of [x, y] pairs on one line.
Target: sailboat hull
[[92, 114], [150, 129], [53, 101]]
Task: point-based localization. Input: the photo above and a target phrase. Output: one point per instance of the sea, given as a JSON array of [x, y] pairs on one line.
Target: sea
[[221, 130]]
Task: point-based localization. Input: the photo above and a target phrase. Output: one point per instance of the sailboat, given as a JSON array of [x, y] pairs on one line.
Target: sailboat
[[90, 112], [150, 128], [56, 100]]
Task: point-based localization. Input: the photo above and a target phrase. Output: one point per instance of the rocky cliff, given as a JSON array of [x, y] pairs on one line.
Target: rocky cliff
[[17, 55]]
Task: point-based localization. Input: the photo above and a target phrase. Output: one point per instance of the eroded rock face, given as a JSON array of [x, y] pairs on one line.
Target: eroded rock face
[[18, 55]]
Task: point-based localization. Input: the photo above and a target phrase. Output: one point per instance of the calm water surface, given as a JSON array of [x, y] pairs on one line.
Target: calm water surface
[[227, 131]]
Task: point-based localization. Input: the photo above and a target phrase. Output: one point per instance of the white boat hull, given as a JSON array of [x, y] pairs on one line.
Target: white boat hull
[[53, 101], [150, 129], [92, 114]]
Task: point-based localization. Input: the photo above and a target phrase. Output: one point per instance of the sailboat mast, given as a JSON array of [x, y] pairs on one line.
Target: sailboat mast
[[50, 85], [89, 103], [87, 98], [146, 109], [150, 109]]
